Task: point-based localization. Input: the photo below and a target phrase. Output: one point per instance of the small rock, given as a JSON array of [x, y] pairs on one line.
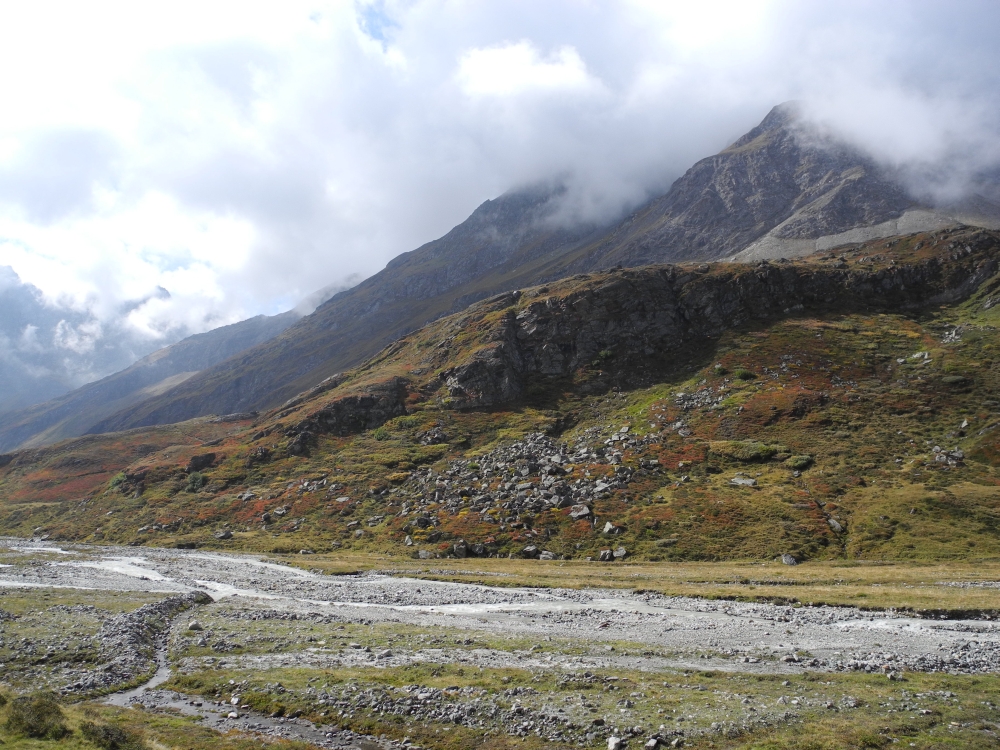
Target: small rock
[[788, 559], [408, 541], [224, 534], [620, 553], [195, 625], [606, 555], [531, 551], [233, 715], [615, 743], [546, 555], [835, 525], [579, 511], [425, 554]]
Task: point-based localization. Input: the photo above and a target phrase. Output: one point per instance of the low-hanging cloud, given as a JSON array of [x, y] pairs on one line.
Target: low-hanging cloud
[[47, 349], [245, 160]]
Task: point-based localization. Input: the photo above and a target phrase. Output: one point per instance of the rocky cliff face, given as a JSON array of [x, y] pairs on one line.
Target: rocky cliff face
[[624, 328], [632, 320]]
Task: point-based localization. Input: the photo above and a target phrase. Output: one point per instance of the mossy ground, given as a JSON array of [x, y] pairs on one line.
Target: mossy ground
[[831, 402], [156, 731], [709, 708]]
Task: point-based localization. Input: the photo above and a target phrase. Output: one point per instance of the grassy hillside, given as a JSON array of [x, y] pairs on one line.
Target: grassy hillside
[[840, 406]]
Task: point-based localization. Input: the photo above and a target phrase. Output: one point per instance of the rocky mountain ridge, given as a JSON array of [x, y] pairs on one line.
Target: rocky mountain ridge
[[780, 181], [782, 190]]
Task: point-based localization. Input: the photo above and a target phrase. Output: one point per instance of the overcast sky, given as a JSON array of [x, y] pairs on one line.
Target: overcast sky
[[241, 155]]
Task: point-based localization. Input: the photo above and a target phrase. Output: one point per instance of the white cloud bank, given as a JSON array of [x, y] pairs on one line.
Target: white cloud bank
[[242, 154]]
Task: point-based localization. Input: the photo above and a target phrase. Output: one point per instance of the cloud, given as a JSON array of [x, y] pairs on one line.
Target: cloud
[[54, 173], [519, 68], [47, 349], [245, 156]]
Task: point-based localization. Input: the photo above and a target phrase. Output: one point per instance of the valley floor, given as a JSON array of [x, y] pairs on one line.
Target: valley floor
[[334, 659]]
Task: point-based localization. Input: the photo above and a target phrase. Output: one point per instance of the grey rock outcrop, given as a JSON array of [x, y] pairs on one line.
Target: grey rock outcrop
[[349, 414]]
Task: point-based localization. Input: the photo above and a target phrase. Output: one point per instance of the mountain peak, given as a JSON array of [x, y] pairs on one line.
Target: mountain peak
[[780, 119]]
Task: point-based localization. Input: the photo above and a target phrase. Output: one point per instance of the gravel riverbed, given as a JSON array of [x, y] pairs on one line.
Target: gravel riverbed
[[685, 631]]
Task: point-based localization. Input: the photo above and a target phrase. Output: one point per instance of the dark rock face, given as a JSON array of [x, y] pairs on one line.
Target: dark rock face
[[634, 319], [201, 461], [363, 411], [349, 414]]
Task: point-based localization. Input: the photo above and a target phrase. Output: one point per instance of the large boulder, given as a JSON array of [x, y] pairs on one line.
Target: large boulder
[[200, 461]]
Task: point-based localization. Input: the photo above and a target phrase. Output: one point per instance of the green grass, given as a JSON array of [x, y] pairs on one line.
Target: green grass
[[711, 709], [154, 731]]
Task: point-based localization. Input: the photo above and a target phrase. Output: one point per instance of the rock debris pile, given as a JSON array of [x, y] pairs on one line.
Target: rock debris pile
[[510, 486], [128, 643]]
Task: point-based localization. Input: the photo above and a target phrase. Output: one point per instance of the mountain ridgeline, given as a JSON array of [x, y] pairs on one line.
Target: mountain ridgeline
[[781, 181], [782, 190]]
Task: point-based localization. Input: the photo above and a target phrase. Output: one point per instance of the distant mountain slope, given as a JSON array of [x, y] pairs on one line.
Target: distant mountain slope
[[75, 412], [500, 246], [48, 348], [782, 180]]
